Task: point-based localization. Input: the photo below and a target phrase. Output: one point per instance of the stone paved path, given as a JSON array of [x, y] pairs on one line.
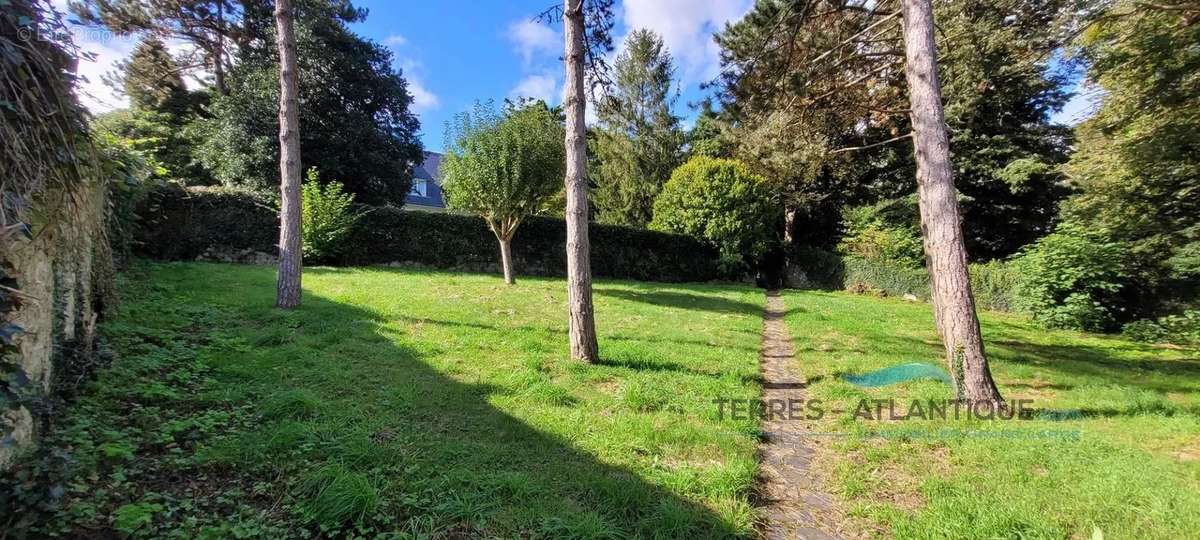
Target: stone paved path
[[791, 504]]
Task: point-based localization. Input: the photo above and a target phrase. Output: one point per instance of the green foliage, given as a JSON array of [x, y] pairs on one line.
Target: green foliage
[[1137, 162], [355, 119], [327, 214], [225, 224], [995, 284], [131, 518], [721, 201], [884, 232], [1073, 278], [503, 167], [637, 141], [1183, 328], [186, 223], [152, 79], [710, 135]]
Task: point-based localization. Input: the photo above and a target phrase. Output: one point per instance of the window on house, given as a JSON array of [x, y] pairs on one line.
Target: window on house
[[420, 187]]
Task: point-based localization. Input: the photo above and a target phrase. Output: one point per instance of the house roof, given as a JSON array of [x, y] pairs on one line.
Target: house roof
[[428, 169]]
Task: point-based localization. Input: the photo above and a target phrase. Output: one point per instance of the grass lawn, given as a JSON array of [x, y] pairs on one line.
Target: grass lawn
[[1133, 471], [418, 404], [410, 403]]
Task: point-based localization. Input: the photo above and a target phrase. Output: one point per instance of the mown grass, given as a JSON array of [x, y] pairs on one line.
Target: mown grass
[[407, 403], [1129, 467]]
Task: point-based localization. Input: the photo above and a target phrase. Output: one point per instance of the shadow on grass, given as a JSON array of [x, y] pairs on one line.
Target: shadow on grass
[[681, 300], [431, 444]]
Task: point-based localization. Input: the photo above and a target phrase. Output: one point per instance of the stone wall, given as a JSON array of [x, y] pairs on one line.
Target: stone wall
[[62, 269]]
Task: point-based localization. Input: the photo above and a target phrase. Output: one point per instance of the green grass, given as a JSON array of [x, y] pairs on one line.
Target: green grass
[[1133, 471], [419, 404], [411, 404]]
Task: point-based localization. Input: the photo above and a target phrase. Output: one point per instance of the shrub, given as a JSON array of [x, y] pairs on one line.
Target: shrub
[[994, 284], [1073, 278], [892, 279], [327, 214], [885, 232], [1180, 329], [187, 223], [208, 223], [721, 201]]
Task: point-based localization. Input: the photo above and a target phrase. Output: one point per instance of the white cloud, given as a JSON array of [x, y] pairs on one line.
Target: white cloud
[[686, 27], [532, 37], [423, 98], [395, 40], [107, 52], [543, 86]]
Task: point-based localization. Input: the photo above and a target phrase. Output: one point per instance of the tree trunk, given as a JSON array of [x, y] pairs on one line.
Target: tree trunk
[[506, 259], [945, 253], [219, 52], [582, 323], [789, 226], [290, 261]]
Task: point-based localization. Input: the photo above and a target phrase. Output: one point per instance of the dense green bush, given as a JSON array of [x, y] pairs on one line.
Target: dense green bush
[[885, 232], [1181, 328], [721, 201], [228, 224], [994, 284], [187, 223], [1073, 278], [327, 215], [889, 278]]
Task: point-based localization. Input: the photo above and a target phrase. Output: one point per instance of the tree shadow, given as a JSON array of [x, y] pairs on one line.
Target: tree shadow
[[432, 441], [682, 300]]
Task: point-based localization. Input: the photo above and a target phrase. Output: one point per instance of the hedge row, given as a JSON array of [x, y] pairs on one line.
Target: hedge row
[[994, 284], [226, 224]]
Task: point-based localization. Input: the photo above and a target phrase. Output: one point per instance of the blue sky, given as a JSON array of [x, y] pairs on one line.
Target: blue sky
[[456, 53]]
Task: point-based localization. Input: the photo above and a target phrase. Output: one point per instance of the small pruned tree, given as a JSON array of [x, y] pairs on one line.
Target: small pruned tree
[[504, 167]]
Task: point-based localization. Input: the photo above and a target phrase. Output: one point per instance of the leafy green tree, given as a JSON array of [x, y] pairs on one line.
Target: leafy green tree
[[1073, 278], [787, 80], [355, 122], [504, 167], [159, 123], [721, 201], [638, 140], [326, 215], [1137, 163]]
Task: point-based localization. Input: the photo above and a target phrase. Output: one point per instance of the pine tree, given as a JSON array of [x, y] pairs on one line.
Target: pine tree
[[639, 141]]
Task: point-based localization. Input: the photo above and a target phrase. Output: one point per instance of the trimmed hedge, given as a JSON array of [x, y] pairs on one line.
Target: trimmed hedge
[[235, 225], [994, 284]]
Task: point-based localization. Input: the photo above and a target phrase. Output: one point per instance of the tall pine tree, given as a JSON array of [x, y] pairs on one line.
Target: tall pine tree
[[638, 141]]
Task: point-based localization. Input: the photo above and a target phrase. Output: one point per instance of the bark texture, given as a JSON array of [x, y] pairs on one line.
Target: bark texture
[[506, 260], [287, 288], [945, 253], [582, 322]]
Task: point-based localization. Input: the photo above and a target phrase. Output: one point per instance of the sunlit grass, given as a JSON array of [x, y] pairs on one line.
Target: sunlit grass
[[427, 403], [1132, 472]]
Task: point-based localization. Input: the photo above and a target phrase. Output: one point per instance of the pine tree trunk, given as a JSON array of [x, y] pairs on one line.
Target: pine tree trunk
[[582, 323], [506, 259], [945, 253], [290, 262], [219, 51]]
